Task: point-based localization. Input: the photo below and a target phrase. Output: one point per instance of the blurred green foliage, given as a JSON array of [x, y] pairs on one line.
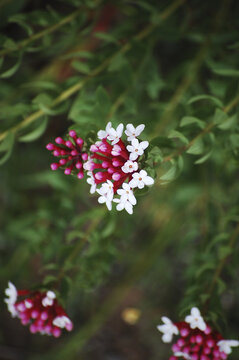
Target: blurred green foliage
[[172, 65]]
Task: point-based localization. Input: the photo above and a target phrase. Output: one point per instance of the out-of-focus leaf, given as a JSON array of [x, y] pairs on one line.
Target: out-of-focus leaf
[[211, 98], [229, 123], [189, 120], [203, 158], [10, 72], [178, 135], [196, 148], [226, 72], [6, 147], [36, 133]]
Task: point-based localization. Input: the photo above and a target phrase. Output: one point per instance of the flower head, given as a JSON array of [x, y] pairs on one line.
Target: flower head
[[112, 160], [197, 340], [40, 310]]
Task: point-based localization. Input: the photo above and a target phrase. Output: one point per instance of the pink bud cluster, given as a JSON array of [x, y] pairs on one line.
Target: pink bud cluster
[[106, 162], [71, 154], [40, 310], [196, 344]]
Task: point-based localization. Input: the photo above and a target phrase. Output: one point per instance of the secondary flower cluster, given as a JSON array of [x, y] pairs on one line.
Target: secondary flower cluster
[[40, 310], [111, 163], [197, 340]]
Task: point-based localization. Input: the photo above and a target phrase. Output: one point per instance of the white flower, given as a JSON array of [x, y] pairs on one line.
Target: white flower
[[61, 321], [133, 132], [115, 135], [11, 292], [104, 133], [107, 194], [91, 181], [195, 320], [127, 199], [140, 179], [48, 299], [182, 354], [129, 166], [168, 329], [136, 148], [225, 345]]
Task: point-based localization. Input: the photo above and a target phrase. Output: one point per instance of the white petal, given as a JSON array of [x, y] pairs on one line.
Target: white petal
[[108, 126], [148, 180], [144, 144], [101, 134], [101, 199], [120, 206], [167, 338], [132, 198], [120, 129], [133, 156], [130, 129], [130, 148], [129, 208], [195, 312], [143, 173], [139, 129], [135, 142], [140, 184], [109, 205], [133, 183]]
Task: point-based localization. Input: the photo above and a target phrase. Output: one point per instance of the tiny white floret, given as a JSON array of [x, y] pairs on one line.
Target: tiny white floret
[[140, 179], [226, 345], [107, 193], [91, 181], [182, 354], [168, 329], [129, 166], [104, 133], [195, 320], [133, 132], [137, 148], [114, 135]]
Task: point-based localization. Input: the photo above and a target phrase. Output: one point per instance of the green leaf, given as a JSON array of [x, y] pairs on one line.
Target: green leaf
[[204, 158], [107, 37], [10, 72], [226, 72], [102, 98], [7, 146], [219, 116], [229, 123], [20, 19], [43, 84], [117, 63], [178, 135], [80, 66], [170, 174], [224, 251], [196, 148], [36, 133], [215, 100], [189, 120]]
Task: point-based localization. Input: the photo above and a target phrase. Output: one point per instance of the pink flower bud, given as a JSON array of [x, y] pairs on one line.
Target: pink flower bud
[[59, 140], [74, 153], [62, 161], [67, 171], [72, 133], [69, 144], [80, 142], [50, 146], [80, 175], [54, 166], [56, 332], [84, 156], [79, 165], [116, 176], [56, 153]]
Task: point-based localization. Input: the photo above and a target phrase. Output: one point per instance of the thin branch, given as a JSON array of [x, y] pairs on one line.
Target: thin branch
[[75, 88]]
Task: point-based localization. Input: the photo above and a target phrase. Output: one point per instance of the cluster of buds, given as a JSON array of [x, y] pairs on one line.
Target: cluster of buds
[[197, 340], [71, 153], [40, 310], [115, 167]]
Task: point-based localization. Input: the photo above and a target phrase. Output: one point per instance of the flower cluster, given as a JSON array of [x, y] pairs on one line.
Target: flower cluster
[[39, 309], [197, 341], [114, 165], [71, 154]]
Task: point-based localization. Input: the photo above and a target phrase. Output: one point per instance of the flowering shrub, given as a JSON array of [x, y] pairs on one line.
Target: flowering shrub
[[197, 340], [40, 310]]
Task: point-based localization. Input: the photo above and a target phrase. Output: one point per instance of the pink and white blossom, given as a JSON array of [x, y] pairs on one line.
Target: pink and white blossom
[[106, 193], [114, 135], [196, 339], [40, 310]]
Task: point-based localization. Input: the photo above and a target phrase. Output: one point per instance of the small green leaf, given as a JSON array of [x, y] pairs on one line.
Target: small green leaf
[[215, 100], [229, 123], [80, 66], [178, 135], [219, 116], [224, 251], [107, 37], [12, 70], [36, 133], [226, 72], [7, 146], [20, 19], [203, 158], [189, 120], [170, 174], [196, 148], [117, 62]]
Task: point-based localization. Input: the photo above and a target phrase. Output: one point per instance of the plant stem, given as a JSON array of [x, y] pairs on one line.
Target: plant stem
[[220, 267], [207, 129], [22, 44], [73, 89]]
